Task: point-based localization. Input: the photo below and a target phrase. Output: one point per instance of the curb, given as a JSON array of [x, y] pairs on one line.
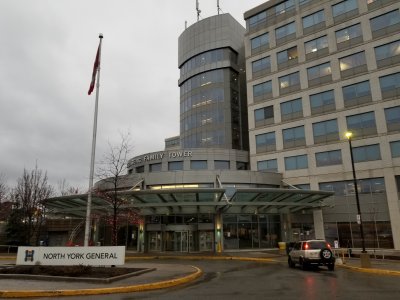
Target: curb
[[103, 291], [371, 270]]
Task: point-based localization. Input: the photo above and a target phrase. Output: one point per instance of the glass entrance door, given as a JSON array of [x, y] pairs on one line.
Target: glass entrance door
[[181, 239]]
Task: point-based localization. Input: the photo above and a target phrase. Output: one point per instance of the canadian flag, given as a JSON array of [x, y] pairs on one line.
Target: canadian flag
[[95, 67]]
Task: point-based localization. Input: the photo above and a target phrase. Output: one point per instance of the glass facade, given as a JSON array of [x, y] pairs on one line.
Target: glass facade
[[211, 114], [251, 231]]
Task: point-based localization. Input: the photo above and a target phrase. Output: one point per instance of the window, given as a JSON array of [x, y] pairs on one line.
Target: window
[[139, 169], [155, 167], [319, 74], [264, 116], [385, 24], [296, 162], [175, 165], [322, 102], [362, 124], [291, 110], [240, 165], [257, 20], [344, 10], [198, 165], [375, 4], [222, 164], [294, 137], [261, 67], [304, 186], [357, 94], [317, 47], [365, 186], [387, 55], [284, 7], [395, 148], [349, 36], [287, 57], [390, 86], [289, 83], [285, 33], [313, 22], [259, 43], [353, 64], [262, 91], [366, 153], [328, 158], [325, 131], [392, 115], [270, 165], [265, 142]]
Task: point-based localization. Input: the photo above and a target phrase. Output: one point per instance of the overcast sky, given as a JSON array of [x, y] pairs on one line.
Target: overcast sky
[[47, 50]]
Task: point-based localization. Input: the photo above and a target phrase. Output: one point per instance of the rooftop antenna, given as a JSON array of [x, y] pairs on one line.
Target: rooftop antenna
[[198, 10], [185, 24], [218, 8]]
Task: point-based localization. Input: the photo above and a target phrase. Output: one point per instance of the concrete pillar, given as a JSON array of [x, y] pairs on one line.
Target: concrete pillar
[[319, 224], [286, 227], [393, 205], [218, 233]]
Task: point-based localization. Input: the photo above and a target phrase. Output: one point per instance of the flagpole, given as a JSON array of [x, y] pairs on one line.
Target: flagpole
[[89, 202]]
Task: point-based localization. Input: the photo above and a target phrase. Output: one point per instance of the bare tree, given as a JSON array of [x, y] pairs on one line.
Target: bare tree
[[113, 167], [64, 189], [32, 188], [3, 188]]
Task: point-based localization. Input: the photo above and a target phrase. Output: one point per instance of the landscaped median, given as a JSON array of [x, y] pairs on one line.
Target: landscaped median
[[102, 291]]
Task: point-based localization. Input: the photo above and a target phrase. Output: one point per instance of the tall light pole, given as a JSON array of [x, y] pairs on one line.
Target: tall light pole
[[365, 262]]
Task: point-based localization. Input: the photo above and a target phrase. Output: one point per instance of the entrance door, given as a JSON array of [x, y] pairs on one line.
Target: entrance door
[[181, 241], [206, 240]]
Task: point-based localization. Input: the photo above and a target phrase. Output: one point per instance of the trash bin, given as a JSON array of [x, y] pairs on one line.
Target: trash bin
[[282, 245]]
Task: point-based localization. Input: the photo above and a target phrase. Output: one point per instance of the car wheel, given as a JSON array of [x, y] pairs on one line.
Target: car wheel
[[326, 254], [291, 263], [331, 267]]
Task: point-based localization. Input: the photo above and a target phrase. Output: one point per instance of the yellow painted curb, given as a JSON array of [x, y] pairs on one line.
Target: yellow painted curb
[[371, 270], [102, 291]]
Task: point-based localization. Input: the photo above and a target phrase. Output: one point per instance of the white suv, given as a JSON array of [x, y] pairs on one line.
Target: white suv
[[311, 253]]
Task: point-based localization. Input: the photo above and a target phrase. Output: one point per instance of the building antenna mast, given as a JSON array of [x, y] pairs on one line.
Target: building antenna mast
[[198, 10], [218, 8]]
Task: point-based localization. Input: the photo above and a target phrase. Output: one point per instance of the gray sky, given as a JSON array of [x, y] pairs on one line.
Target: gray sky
[[47, 51]]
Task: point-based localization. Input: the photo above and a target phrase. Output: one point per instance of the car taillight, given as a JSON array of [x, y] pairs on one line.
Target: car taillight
[[306, 246], [329, 245]]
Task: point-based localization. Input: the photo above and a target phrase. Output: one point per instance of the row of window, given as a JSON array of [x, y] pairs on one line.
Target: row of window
[[323, 102], [381, 25], [350, 65], [329, 158], [194, 165], [365, 186], [208, 57], [362, 125]]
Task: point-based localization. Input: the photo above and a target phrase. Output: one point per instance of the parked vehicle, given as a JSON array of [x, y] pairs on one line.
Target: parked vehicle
[[311, 253]]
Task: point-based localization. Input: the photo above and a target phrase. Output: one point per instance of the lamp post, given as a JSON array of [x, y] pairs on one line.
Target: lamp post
[[365, 261]]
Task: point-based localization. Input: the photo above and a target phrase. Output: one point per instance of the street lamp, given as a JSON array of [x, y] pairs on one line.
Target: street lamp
[[365, 262]]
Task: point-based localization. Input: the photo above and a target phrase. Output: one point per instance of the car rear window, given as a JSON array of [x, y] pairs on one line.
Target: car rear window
[[317, 245]]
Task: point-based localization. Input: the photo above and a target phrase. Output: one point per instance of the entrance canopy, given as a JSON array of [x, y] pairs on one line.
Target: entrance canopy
[[192, 201]]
